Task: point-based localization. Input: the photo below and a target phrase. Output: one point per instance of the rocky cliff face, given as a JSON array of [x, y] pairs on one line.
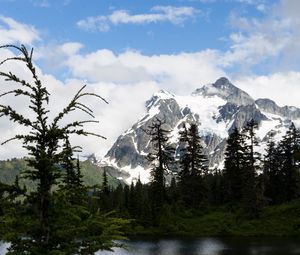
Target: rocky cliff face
[[217, 108]]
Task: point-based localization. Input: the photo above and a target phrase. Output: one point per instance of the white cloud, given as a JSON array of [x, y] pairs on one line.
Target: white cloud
[[174, 15], [12, 31], [179, 73], [282, 87], [126, 80], [272, 38], [129, 78], [55, 56]]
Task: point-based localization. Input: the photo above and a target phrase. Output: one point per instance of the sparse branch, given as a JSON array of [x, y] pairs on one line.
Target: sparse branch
[[92, 94], [11, 77], [79, 124], [84, 110], [17, 137], [17, 92], [84, 133], [74, 104], [14, 116]]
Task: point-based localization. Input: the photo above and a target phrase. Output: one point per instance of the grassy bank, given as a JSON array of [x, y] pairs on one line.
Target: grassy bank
[[279, 221]]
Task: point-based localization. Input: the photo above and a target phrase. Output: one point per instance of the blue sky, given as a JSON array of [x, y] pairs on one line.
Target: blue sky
[[126, 50], [206, 26], [149, 27]]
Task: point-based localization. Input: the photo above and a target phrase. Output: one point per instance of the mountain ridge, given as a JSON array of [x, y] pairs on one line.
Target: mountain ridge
[[216, 108]]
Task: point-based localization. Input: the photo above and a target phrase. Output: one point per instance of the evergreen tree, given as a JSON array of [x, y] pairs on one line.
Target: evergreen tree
[[105, 187], [34, 224], [79, 176], [70, 177], [235, 162], [105, 201], [289, 148], [253, 142], [252, 185], [272, 175], [194, 167], [161, 158]]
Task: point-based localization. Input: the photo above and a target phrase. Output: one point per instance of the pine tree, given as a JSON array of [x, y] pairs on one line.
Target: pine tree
[[289, 147], [252, 186], [34, 224], [161, 158], [253, 155], [105, 201], [272, 175], [78, 176], [69, 178], [235, 163], [105, 187], [194, 167]]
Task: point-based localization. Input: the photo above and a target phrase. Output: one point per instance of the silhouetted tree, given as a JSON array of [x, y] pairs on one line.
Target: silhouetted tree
[[235, 163], [34, 226], [194, 167], [161, 158]]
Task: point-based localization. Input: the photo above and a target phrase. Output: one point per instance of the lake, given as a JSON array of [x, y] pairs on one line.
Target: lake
[[206, 246]]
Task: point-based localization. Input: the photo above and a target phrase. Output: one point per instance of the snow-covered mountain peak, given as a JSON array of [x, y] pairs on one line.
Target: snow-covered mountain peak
[[155, 100], [216, 108], [224, 89]]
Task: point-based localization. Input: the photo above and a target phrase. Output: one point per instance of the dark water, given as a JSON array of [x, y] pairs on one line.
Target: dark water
[[211, 246], [205, 246]]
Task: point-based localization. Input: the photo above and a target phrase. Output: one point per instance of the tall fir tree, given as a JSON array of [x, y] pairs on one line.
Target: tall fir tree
[[289, 148], [236, 156], [33, 225], [253, 186], [194, 167], [161, 158], [271, 169]]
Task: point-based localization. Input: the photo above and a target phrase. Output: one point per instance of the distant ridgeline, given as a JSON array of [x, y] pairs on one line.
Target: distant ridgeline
[[92, 174]]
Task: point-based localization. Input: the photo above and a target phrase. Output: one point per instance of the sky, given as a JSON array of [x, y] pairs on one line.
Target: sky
[[127, 50]]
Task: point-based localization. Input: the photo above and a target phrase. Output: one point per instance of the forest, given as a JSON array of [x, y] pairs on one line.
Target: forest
[[252, 195]]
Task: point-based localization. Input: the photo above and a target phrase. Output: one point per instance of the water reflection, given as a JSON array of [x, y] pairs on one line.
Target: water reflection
[[210, 246], [205, 246]]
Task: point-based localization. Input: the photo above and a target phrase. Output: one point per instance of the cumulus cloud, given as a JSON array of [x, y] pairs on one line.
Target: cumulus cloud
[[129, 78], [174, 15], [282, 87], [272, 38], [12, 31], [180, 73], [126, 105]]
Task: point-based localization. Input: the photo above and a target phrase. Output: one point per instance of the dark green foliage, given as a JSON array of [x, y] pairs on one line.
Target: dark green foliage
[[235, 164], [58, 214], [289, 149], [237, 197], [35, 222], [272, 174], [72, 177], [253, 186], [162, 158], [281, 167], [194, 168]]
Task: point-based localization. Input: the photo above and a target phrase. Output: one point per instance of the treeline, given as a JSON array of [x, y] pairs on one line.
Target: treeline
[[247, 184]]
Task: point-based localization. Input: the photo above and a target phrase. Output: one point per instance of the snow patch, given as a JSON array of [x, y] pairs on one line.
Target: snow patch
[[208, 110], [136, 173]]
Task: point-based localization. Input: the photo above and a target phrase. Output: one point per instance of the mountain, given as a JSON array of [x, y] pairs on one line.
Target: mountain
[[217, 108], [92, 174]]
